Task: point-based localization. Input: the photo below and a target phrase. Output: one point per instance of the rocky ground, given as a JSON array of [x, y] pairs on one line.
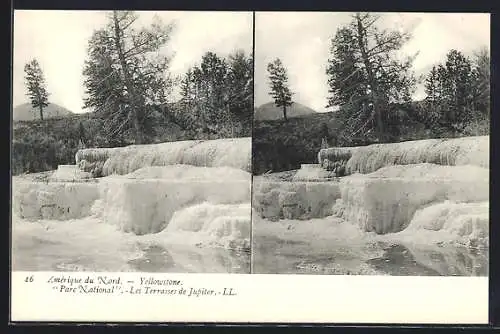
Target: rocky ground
[[280, 176]]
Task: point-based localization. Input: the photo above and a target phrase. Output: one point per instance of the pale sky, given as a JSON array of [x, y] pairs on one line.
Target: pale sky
[[58, 39], [302, 41]]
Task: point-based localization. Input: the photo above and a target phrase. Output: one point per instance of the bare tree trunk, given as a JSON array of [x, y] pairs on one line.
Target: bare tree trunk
[[232, 123], [40, 107], [135, 112], [284, 113], [371, 77]]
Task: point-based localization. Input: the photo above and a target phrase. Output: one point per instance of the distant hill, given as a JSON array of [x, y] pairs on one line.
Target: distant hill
[[269, 111], [25, 112]]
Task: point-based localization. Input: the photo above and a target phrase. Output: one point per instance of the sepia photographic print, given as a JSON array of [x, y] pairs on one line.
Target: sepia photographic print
[[371, 144], [131, 141]]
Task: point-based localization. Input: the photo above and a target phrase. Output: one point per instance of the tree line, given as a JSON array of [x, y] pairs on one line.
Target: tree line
[[129, 84], [369, 81], [458, 93], [218, 94]]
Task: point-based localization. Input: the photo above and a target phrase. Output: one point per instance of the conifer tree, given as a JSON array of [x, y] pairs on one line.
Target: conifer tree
[[35, 83], [278, 80], [125, 74], [365, 75]]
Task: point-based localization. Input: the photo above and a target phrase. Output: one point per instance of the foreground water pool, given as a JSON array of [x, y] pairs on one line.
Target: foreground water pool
[[285, 247], [90, 245], [332, 246]]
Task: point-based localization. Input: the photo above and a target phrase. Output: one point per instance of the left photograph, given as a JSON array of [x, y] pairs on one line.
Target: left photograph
[[131, 145]]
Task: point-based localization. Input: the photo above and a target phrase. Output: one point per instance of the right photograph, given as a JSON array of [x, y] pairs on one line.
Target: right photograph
[[371, 144]]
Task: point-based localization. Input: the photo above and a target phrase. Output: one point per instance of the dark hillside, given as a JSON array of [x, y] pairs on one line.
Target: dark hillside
[[281, 146], [43, 145]]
